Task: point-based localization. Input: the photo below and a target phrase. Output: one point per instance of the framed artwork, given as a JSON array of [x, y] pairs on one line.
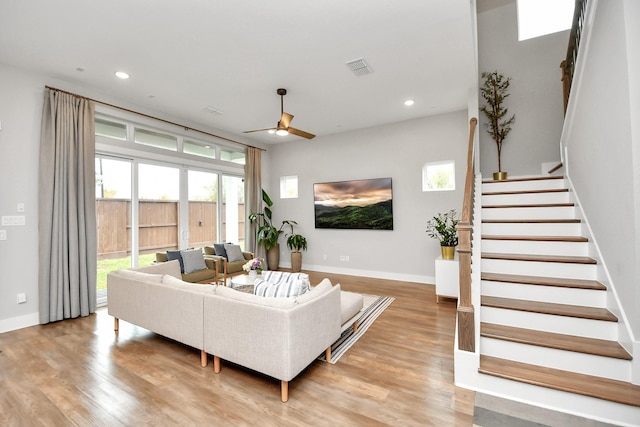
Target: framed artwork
[[356, 204]]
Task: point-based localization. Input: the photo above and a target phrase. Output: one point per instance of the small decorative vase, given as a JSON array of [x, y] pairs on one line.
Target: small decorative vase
[[499, 176], [253, 274], [448, 252]]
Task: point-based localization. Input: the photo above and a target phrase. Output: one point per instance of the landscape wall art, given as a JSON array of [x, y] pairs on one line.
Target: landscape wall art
[[357, 204]]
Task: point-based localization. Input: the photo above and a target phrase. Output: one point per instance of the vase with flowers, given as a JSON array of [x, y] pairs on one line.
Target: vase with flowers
[[254, 267]]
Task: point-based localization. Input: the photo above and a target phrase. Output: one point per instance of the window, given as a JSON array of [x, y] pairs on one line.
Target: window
[[439, 176], [232, 156], [198, 148], [541, 17], [156, 139], [288, 187], [111, 129]]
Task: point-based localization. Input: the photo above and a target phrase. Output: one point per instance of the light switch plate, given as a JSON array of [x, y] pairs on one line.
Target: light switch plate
[[3, 234], [13, 220]]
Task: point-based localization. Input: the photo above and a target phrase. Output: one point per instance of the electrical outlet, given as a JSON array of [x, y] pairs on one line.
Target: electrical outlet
[[346, 258], [22, 298], [324, 256], [3, 234], [341, 257]]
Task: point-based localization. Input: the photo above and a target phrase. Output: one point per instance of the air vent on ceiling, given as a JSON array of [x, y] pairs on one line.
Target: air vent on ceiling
[[213, 110], [359, 67]]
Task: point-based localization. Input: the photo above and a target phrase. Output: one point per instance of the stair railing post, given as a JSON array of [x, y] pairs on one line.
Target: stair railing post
[[466, 312]]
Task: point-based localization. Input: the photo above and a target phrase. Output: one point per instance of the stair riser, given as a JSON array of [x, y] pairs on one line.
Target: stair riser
[[532, 229], [534, 268], [550, 323], [526, 198], [587, 364], [529, 213], [545, 184], [536, 248], [552, 294]]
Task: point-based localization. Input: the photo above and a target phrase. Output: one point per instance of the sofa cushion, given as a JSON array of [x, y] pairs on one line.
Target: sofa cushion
[[233, 294], [141, 276], [193, 260], [169, 280], [234, 252], [171, 255], [282, 284]]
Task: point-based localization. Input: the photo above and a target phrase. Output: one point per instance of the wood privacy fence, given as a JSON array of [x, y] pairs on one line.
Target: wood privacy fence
[[158, 226]]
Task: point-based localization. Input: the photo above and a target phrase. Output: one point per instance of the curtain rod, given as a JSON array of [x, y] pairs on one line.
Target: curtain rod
[[187, 128]]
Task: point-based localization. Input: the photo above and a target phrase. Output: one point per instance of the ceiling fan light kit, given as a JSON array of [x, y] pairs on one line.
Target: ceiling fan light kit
[[283, 128]]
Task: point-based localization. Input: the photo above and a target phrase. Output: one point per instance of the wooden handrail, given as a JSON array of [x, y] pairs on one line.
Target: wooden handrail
[[466, 325], [569, 63]]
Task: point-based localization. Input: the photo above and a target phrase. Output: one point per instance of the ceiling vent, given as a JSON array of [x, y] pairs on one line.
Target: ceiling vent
[[359, 67], [213, 110]]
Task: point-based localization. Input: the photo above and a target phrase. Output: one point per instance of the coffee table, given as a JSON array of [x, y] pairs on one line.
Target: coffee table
[[243, 283]]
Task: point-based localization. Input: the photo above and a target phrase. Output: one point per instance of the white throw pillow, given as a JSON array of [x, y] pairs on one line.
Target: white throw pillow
[[193, 260], [286, 288], [234, 252]]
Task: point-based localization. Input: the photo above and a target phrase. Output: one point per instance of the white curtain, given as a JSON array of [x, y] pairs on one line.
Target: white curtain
[[67, 208], [253, 194]]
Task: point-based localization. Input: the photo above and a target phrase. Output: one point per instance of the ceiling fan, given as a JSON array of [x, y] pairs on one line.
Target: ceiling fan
[[283, 127]]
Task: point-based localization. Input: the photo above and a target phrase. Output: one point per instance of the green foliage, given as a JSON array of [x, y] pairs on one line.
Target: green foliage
[[494, 90], [267, 234], [443, 228]]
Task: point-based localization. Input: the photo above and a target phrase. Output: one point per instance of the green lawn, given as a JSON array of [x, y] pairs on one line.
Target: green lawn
[[107, 265]]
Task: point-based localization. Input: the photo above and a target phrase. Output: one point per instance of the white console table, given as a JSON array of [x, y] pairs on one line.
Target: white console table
[[447, 278]]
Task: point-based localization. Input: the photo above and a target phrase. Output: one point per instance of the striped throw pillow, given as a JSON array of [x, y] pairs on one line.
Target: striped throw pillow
[[281, 284]]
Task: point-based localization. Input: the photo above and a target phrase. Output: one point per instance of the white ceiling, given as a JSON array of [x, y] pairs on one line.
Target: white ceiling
[[232, 55]]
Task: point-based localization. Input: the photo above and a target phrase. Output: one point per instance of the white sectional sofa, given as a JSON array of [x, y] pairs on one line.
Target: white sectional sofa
[[275, 336]]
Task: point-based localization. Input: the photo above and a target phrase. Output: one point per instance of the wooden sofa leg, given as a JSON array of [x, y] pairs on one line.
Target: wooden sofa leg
[[216, 364], [116, 324], [355, 326], [284, 391], [204, 360], [327, 354]]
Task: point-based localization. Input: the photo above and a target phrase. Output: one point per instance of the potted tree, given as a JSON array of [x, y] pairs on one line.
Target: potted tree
[[494, 90], [443, 228], [267, 234], [296, 243]]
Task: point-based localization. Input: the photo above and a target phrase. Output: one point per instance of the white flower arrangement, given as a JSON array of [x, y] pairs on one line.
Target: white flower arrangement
[[254, 264]]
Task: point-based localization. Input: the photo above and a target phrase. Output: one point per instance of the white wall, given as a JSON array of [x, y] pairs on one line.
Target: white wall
[[398, 151], [20, 112], [603, 145], [535, 92]]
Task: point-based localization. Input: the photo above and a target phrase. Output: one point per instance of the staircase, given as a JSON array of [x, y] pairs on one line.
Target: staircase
[[544, 316]]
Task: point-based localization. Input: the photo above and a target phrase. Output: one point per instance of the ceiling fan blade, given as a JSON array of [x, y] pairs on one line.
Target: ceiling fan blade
[[285, 120], [258, 130], [301, 133]]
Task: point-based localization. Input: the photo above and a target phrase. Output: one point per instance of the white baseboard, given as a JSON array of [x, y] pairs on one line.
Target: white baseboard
[[387, 275], [19, 322]]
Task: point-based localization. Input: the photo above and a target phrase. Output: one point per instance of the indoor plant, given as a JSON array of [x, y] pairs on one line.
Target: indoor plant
[[443, 228], [494, 90], [296, 243], [268, 234]]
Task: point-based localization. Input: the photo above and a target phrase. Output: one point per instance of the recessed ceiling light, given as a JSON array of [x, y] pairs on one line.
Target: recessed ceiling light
[[122, 75], [409, 102]]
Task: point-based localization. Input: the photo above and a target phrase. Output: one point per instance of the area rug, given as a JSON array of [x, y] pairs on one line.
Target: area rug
[[373, 307]]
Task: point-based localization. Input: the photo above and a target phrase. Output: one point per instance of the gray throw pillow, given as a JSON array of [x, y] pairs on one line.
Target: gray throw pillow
[[176, 255], [219, 248], [193, 260], [234, 253]]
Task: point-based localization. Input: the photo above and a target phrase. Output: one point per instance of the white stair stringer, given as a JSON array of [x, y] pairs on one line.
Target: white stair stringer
[[526, 228]]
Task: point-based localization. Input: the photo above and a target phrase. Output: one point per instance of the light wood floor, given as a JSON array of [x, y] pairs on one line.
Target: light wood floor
[[79, 372]]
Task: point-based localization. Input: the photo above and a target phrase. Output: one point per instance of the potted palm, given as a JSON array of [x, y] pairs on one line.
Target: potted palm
[[494, 91], [267, 234], [296, 243], [443, 228]]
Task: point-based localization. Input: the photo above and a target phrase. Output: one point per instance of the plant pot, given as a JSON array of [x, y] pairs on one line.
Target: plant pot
[[273, 257], [296, 261], [499, 176], [448, 252]]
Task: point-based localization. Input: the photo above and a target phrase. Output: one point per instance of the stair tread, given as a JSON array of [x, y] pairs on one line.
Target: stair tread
[[540, 258], [587, 385], [544, 281], [530, 178], [536, 238], [532, 220], [566, 342], [515, 192], [530, 205], [583, 312]]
